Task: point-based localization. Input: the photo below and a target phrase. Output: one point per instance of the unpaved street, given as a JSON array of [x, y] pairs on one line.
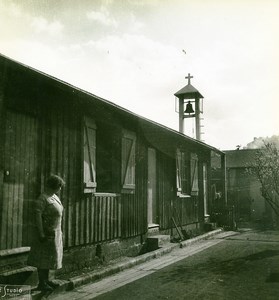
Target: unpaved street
[[238, 266], [244, 266]]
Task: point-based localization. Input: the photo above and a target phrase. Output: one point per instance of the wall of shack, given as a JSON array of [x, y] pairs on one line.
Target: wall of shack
[[42, 130]]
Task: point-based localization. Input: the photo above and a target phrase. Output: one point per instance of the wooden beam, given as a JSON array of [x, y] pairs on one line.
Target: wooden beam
[[178, 230]]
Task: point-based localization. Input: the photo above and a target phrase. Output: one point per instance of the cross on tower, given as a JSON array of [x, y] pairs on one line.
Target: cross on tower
[[189, 78]]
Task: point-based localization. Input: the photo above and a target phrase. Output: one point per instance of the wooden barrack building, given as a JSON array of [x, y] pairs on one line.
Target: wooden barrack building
[[125, 175]]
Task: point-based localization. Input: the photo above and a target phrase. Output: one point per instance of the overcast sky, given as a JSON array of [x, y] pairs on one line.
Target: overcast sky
[[133, 53]]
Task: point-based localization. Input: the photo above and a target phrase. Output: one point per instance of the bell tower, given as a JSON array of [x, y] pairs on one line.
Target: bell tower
[[186, 96]]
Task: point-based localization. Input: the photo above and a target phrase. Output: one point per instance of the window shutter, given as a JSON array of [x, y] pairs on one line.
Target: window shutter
[[178, 171], [89, 156], [182, 172], [194, 174], [128, 160]]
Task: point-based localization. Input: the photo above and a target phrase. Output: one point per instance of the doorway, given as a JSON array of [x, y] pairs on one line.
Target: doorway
[[20, 179], [151, 189], [205, 189]]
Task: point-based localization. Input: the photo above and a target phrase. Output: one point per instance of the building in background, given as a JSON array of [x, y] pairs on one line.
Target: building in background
[[244, 188]]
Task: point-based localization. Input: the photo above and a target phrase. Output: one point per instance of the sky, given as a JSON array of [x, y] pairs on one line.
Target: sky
[[136, 53]]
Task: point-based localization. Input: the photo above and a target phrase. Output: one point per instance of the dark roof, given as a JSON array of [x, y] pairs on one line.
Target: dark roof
[[117, 107], [240, 158], [188, 92]]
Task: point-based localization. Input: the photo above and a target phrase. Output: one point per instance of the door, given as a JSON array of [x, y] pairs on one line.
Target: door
[[20, 185], [151, 188], [205, 189]]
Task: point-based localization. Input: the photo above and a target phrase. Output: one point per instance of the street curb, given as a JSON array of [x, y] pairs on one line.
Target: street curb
[[95, 275], [201, 237]]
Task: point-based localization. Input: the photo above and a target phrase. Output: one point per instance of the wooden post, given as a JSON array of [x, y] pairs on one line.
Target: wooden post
[[177, 229], [224, 181], [198, 121], [3, 74], [181, 115]]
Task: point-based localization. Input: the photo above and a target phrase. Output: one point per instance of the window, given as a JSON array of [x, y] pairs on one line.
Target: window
[[128, 160], [108, 156], [101, 156], [89, 156]]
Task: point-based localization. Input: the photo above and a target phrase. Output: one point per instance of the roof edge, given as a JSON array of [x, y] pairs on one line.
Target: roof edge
[[112, 104]]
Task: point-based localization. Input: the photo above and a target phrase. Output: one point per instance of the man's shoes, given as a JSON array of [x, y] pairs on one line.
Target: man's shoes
[[44, 287], [52, 284]]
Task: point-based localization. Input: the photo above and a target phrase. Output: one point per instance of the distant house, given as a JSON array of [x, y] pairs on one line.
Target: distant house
[[244, 189], [126, 176]]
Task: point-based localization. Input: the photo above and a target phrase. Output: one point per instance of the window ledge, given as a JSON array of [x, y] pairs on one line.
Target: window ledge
[[100, 194], [128, 187], [14, 251], [153, 225], [128, 191], [179, 195], [153, 228]]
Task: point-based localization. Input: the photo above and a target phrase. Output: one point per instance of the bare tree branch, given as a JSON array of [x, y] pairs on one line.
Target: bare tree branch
[[266, 168]]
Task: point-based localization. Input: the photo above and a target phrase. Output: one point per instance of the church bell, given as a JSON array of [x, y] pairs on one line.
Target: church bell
[[189, 108]]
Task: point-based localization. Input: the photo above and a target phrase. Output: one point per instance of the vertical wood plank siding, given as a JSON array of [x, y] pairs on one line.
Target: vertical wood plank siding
[[20, 186], [65, 160], [128, 215], [43, 134], [3, 77], [54, 140], [186, 210], [101, 218], [87, 218], [92, 219], [166, 190], [134, 206]]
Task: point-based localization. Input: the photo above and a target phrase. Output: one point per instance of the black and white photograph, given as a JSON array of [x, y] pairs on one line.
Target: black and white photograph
[[139, 149]]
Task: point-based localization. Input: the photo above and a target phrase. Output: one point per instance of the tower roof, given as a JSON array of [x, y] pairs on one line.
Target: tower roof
[[188, 92]]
